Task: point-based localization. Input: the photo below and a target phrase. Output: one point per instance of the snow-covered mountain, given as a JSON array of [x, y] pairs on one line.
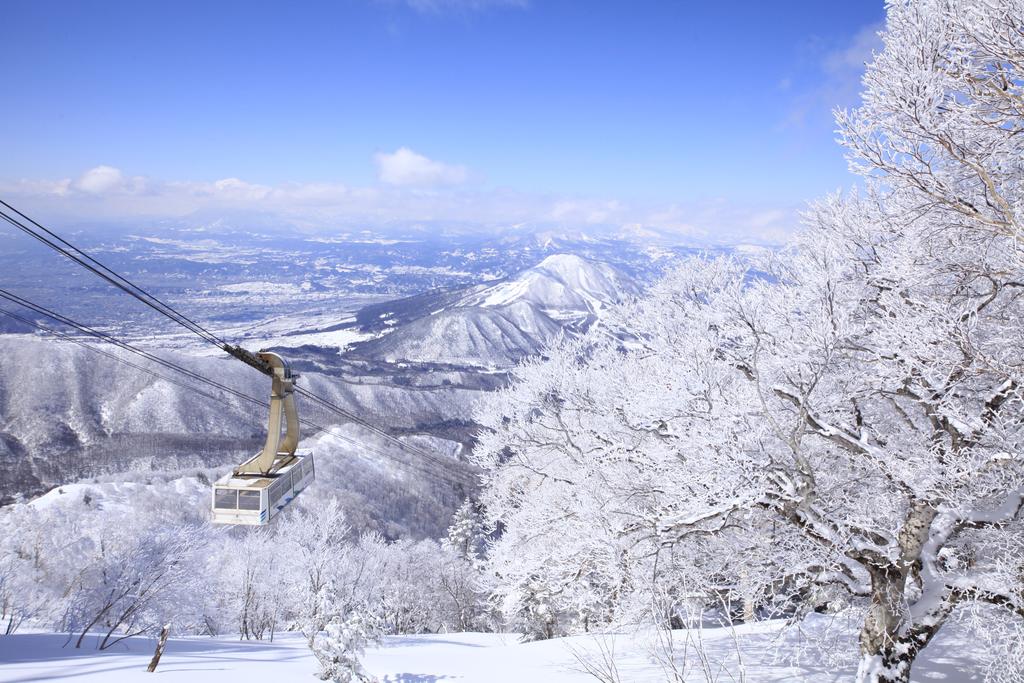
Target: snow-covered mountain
[[497, 336], [66, 411], [496, 325], [561, 285]]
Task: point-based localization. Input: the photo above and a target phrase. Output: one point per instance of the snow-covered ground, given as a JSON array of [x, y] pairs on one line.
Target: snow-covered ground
[[463, 657]]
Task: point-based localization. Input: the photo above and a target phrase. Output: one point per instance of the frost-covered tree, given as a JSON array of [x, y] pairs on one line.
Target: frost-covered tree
[[317, 546], [461, 568], [23, 576], [251, 585], [842, 421], [409, 586], [69, 563], [467, 534], [129, 576], [408, 592]]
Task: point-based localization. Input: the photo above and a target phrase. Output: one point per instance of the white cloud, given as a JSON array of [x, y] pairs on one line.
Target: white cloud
[[590, 212], [764, 219], [234, 188], [839, 82], [39, 188], [404, 167], [100, 180], [855, 54], [109, 195]]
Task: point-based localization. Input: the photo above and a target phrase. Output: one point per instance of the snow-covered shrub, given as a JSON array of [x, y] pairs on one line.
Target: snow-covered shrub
[[340, 646]]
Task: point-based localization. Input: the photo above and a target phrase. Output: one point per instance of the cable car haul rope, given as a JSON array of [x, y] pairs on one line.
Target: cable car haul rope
[[259, 488]]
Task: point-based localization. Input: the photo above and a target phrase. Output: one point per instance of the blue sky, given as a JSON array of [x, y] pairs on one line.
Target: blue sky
[[709, 117]]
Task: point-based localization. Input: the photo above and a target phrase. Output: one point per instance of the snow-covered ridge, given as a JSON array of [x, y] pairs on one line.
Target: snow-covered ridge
[[560, 283], [495, 326], [126, 497], [496, 336]]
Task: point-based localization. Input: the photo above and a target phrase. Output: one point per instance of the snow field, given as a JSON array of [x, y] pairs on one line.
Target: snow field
[[471, 658]]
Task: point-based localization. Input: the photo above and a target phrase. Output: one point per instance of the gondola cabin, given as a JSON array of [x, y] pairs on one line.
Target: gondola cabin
[[254, 498], [266, 483]]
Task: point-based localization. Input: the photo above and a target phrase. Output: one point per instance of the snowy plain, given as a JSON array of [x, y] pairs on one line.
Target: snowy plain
[[481, 658]]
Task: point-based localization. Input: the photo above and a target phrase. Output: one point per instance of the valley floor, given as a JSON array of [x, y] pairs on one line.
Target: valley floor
[[462, 657]]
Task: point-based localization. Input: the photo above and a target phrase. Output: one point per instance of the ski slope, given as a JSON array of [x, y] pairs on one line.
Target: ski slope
[[471, 658]]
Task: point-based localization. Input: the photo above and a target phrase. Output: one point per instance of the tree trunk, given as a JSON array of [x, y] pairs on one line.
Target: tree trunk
[[888, 657], [884, 659], [95, 620], [890, 665], [891, 637], [749, 610], [160, 643]]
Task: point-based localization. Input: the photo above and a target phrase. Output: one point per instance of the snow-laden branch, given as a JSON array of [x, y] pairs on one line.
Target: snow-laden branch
[[845, 436]]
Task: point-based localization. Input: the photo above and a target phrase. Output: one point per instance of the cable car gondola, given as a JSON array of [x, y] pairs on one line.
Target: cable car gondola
[[265, 484]]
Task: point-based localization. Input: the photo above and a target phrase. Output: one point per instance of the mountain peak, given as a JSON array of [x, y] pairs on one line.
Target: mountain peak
[[560, 284], [563, 262]]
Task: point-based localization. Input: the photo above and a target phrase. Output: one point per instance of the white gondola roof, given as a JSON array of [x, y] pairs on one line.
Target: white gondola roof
[[260, 482]]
